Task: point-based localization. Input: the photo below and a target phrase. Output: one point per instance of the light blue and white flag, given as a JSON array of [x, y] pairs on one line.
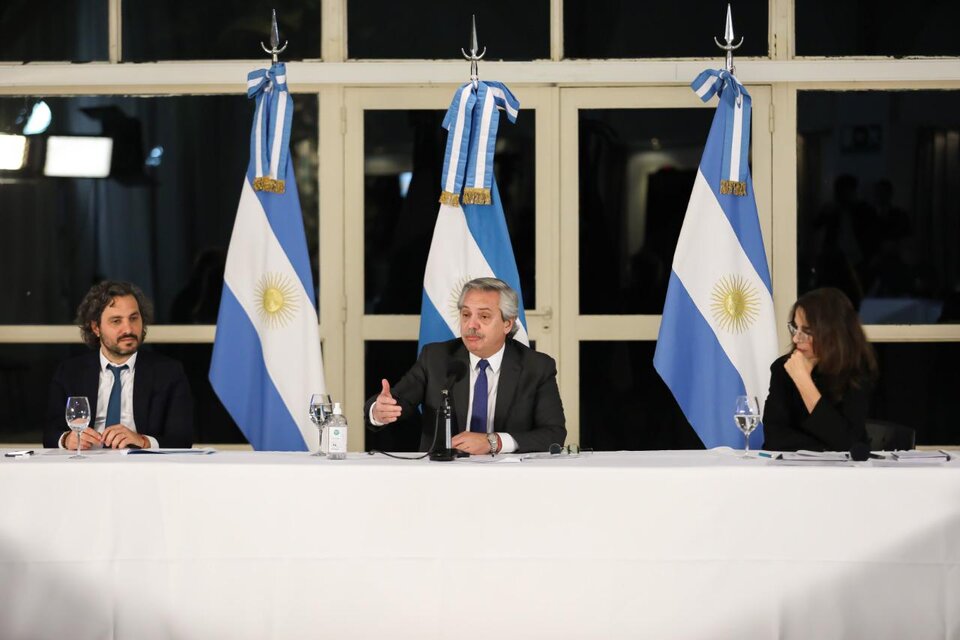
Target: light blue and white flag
[[266, 357], [469, 241], [718, 335]]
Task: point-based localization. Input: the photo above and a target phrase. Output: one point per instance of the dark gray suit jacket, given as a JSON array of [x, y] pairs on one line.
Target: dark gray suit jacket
[[162, 404], [528, 400]]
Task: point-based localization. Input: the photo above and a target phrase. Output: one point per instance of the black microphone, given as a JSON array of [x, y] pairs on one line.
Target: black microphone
[[444, 452], [860, 452]]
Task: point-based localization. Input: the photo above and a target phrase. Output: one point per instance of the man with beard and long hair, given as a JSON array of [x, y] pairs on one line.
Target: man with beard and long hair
[[138, 399]]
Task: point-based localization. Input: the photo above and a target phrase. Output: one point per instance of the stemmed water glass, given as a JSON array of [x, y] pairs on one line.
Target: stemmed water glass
[[746, 413], [78, 418], [321, 406]]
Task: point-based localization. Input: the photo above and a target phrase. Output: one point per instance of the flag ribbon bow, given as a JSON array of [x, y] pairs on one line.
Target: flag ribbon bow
[[471, 122], [270, 134], [735, 106]]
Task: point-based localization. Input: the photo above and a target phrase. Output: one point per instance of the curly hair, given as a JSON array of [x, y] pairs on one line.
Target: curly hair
[[99, 297], [844, 354]]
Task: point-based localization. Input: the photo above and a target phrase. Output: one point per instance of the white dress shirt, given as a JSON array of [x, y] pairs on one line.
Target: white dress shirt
[[507, 443], [126, 397]]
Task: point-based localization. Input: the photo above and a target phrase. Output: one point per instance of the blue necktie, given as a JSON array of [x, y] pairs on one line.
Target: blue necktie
[[478, 419], [113, 406]]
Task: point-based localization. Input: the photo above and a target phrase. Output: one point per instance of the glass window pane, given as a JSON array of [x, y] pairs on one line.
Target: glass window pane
[[624, 405], [34, 30], [878, 191], [403, 158], [162, 219], [877, 28], [218, 29], [390, 359], [615, 29], [637, 168], [918, 388], [434, 29], [27, 369]]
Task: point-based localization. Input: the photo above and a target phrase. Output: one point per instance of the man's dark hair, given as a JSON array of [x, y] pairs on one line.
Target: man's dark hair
[[99, 298]]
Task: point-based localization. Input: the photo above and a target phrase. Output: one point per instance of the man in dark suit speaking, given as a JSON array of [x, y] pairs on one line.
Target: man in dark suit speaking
[[508, 402], [137, 398]]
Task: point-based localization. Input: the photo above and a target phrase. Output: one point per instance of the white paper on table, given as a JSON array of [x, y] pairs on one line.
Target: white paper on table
[[197, 452]]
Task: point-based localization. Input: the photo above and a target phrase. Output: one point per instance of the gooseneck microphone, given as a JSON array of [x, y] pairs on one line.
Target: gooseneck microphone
[[444, 452]]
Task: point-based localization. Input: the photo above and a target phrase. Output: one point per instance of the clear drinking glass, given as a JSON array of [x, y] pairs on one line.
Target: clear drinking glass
[[321, 406], [78, 418], [746, 413]]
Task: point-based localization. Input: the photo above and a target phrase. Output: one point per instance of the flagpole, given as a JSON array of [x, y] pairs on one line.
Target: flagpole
[[275, 48], [473, 56], [729, 47]]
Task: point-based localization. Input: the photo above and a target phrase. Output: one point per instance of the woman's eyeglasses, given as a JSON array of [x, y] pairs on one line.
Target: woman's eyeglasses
[[800, 334]]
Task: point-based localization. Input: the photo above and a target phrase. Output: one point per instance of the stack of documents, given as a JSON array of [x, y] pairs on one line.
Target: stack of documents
[[814, 457], [922, 457]]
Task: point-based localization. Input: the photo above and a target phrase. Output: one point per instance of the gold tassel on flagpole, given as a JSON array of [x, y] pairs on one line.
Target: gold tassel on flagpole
[[449, 199], [736, 188], [476, 195], [265, 183]]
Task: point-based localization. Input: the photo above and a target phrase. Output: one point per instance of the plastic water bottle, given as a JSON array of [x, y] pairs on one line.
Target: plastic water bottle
[[336, 432]]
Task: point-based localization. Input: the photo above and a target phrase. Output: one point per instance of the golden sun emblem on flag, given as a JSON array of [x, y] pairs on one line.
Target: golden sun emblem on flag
[[277, 300], [735, 303], [453, 303]]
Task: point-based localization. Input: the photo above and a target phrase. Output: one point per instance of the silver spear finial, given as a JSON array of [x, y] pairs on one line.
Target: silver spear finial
[[473, 56], [274, 40], [729, 46]]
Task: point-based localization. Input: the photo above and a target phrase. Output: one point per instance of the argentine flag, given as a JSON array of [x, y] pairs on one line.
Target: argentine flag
[[266, 357], [469, 240], [718, 335]]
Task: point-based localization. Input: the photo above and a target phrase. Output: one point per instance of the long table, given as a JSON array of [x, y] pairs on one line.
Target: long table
[[608, 545]]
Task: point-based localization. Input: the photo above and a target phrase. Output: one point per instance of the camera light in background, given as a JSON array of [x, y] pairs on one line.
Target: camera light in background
[[39, 119], [78, 157], [13, 152]]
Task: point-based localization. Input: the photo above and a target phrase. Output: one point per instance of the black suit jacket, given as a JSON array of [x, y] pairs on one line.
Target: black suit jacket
[[528, 400], [162, 404], [834, 424]]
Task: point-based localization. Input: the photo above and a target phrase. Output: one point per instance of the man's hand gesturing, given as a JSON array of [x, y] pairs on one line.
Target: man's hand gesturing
[[386, 409]]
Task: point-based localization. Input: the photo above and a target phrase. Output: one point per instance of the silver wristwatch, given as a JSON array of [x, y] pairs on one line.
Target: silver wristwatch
[[492, 439]]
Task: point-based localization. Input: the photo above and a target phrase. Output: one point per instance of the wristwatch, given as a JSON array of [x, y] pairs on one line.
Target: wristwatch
[[492, 439]]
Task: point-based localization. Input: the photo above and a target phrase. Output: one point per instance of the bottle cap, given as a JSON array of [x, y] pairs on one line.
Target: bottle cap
[[337, 411]]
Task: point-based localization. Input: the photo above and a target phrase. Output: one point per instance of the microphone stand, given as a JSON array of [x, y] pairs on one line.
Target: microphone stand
[[446, 452]]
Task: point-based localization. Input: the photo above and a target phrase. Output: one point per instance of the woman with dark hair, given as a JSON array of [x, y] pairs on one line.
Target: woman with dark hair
[[820, 391]]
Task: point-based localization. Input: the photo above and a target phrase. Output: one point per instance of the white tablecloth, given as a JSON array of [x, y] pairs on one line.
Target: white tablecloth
[[654, 545]]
